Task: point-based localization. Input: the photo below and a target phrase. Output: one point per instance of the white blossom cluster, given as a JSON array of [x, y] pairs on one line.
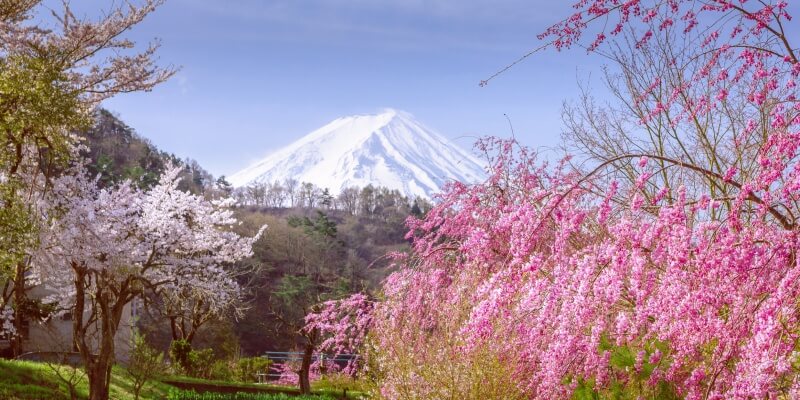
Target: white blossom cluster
[[98, 61], [7, 322], [127, 240]]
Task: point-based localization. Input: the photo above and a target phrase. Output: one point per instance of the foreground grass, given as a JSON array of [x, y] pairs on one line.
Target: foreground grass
[[203, 385], [259, 386], [27, 380], [191, 395]]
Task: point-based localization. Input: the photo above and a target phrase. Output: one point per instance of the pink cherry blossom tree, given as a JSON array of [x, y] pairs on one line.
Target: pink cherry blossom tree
[[660, 271], [342, 325], [335, 327]]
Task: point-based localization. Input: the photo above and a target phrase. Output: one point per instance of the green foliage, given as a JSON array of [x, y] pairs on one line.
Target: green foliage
[[35, 309], [221, 337], [296, 267], [37, 108], [247, 368], [628, 381], [189, 383], [195, 363], [26, 380], [200, 363], [224, 186], [179, 353], [415, 210], [72, 376], [192, 395], [295, 291], [321, 226], [144, 365], [221, 370], [339, 382], [117, 153], [19, 229], [326, 199]]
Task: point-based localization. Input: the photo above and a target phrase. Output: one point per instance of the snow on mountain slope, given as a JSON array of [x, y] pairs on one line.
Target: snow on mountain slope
[[389, 149]]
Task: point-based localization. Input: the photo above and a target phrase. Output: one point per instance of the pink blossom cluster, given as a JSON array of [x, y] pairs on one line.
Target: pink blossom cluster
[[743, 48], [709, 307], [290, 377], [343, 326], [566, 280]]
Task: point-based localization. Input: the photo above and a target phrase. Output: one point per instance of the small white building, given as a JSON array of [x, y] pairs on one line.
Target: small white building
[[55, 333]]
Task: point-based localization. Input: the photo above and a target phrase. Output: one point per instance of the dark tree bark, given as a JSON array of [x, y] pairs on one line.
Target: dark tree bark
[[19, 300], [107, 309], [305, 369]]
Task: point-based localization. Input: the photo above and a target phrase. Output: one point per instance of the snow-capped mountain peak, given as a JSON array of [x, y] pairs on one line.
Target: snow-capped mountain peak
[[390, 149]]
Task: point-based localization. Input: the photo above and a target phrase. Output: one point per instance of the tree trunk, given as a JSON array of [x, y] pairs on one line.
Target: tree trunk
[[95, 371], [305, 369], [173, 325], [100, 371], [107, 308], [99, 374], [19, 300], [98, 368]]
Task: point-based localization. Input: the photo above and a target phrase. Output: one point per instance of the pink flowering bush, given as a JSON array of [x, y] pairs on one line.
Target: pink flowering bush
[[288, 371], [668, 269], [342, 326], [533, 271], [664, 271], [334, 328], [458, 320]]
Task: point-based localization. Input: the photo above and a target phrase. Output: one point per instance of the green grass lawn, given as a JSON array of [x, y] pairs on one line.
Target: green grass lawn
[[188, 395], [259, 386], [35, 381], [27, 380], [201, 385]]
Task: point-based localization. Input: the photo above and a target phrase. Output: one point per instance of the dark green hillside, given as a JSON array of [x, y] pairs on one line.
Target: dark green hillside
[[117, 152]]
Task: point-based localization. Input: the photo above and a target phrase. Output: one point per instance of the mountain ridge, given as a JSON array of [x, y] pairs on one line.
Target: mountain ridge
[[390, 149]]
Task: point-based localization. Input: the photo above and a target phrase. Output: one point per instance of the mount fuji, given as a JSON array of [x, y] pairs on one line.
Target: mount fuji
[[390, 149]]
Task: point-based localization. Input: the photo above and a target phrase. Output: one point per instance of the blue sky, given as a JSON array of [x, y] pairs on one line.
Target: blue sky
[[257, 74]]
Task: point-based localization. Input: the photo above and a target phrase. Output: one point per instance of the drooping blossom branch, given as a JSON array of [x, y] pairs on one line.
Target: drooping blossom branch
[[343, 326]]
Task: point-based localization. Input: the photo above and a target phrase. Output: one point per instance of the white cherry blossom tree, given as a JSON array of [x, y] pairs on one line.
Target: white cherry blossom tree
[[104, 247], [56, 65]]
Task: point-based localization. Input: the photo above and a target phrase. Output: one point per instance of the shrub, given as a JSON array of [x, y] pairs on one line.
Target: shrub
[[247, 368], [145, 364], [200, 363], [179, 353], [221, 370], [195, 363]]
